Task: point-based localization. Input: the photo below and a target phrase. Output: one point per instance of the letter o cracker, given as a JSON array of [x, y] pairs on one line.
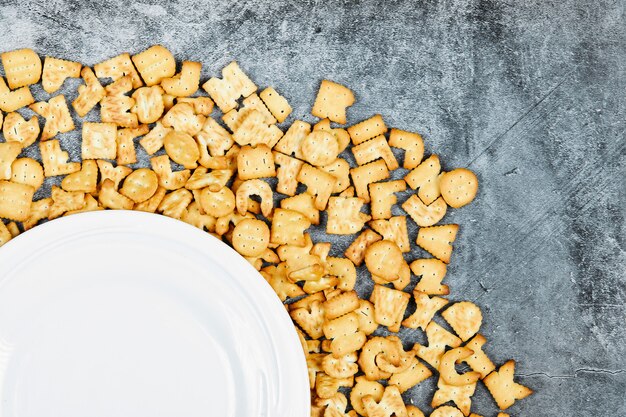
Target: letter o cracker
[[140, 185], [217, 203], [182, 149], [251, 237], [384, 259], [27, 171], [458, 187], [319, 148]]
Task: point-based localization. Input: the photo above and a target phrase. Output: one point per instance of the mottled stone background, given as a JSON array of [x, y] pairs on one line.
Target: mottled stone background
[[529, 94]]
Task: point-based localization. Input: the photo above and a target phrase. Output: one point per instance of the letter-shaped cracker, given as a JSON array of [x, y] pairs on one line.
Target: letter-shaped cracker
[[126, 146], [367, 129], [374, 149], [425, 215], [16, 129], [437, 240], [412, 144], [115, 174], [344, 215], [276, 276], [56, 71], [155, 64], [184, 83], [389, 306], [65, 201], [13, 100], [149, 104], [276, 104], [22, 67], [415, 373], [15, 200], [364, 175], [55, 160], [363, 387], [255, 187], [438, 339], [174, 204], [331, 102], [57, 115], [503, 388], [226, 91], [255, 162], [432, 272], [118, 67], [479, 361], [254, 130], [394, 230], [448, 371], [234, 118], [8, 153], [383, 198], [425, 310], [183, 119], [99, 141], [27, 171], [319, 183], [340, 169], [356, 250], [85, 180], [89, 94], [459, 395], [289, 144], [425, 177], [168, 179], [465, 319], [390, 404], [447, 411]]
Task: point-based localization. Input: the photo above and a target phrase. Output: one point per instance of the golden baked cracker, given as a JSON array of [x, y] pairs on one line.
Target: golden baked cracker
[[319, 148], [57, 115], [341, 304], [289, 144], [446, 411], [115, 174], [368, 359], [341, 330], [384, 259], [1, 119], [201, 105], [327, 386], [99, 141], [126, 146], [356, 250], [63, 201], [169, 101], [422, 214], [186, 82], [91, 204], [254, 187], [251, 237], [426, 177], [115, 107], [55, 160], [364, 387], [22, 67], [235, 118], [458, 187], [447, 367], [85, 180], [432, 272], [149, 106], [15, 200], [367, 129], [8, 153], [340, 169], [394, 230], [461, 396], [437, 240], [56, 71], [413, 411], [183, 119], [39, 210], [151, 204], [27, 171], [342, 367], [14, 100], [465, 319], [276, 104], [479, 361], [298, 256], [415, 373], [13, 229], [168, 179], [287, 172], [5, 234], [438, 339], [374, 149], [389, 306], [342, 136], [254, 130], [16, 129], [155, 64], [425, 310], [226, 91], [345, 216], [276, 276], [319, 184], [214, 180], [140, 185], [118, 67], [404, 277], [383, 198], [194, 216], [215, 138], [391, 404], [303, 204], [344, 270], [109, 197], [364, 175], [322, 284], [412, 144], [182, 149], [174, 204], [255, 162], [310, 318], [331, 102], [365, 315], [153, 140], [89, 94]]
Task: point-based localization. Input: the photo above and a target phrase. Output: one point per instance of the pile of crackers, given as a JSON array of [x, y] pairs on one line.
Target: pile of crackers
[[262, 189]]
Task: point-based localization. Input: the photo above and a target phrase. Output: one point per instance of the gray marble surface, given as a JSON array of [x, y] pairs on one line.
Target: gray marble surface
[[530, 95]]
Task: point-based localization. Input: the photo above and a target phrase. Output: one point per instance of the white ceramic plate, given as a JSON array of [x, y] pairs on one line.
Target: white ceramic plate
[[131, 314]]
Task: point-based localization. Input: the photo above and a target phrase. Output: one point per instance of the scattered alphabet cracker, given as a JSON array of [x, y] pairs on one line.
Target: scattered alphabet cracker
[[263, 188]]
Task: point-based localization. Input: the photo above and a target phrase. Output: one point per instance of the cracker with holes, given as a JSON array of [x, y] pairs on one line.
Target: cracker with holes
[[461, 396], [14, 100], [56, 71], [214, 180], [319, 184], [186, 82], [215, 138], [64, 201], [342, 136], [251, 237], [390, 404], [140, 185], [201, 105], [16, 129], [113, 173], [289, 143], [22, 67], [319, 148], [234, 118], [194, 216], [126, 145], [276, 104], [276, 276], [447, 367], [109, 197], [364, 175], [287, 172], [39, 210], [422, 214], [118, 67], [304, 204], [168, 179], [89, 94], [345, 216], [27, 171], [432, 272], [356, 250], [367, 129], [382, 196], [155, 64], [15, 200], [85, 180], [438, 339], [8, 153], [182, 149], [437, 240], [226, 91], [153, 140], [374, 149], [182, 118], [458, 187], [55, 160], [174, 204], [332, 101], [255, 187], [479, 361], [465, 319], [426, 177], [255, 162], [99, 141], [57, 115], [425, 309], [414, 373], [389, 306], [384, 259], [394, 230], [218, 203], [151, 204], [148, 104], [412, 144], [340, 169], [288, 227], [255, 130]]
